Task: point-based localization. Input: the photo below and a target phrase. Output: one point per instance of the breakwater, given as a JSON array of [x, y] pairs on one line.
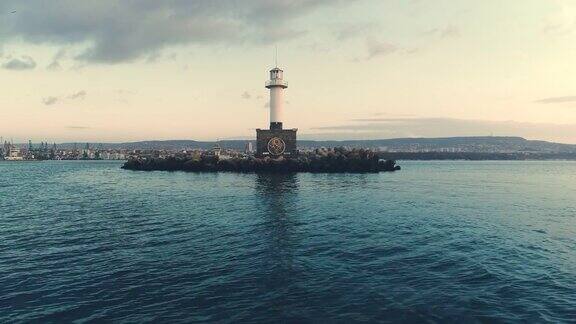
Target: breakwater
[[331, 161]]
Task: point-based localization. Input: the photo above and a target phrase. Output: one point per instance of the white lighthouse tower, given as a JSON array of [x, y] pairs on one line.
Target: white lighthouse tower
[[276, 141], [276, 84]]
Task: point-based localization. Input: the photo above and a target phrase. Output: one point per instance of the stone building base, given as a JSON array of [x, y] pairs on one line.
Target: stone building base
[[264, 137]]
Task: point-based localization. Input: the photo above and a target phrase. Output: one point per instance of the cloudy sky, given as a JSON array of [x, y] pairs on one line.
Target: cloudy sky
[[103, 70]]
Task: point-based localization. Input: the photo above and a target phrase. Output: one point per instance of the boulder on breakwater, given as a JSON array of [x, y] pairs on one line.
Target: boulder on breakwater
[[327, 161]]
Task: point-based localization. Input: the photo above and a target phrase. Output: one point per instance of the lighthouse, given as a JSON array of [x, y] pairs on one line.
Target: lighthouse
[[277, 85], [276, 141]]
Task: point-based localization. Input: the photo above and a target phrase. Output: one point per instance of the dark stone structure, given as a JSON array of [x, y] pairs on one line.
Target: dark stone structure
[[276, 142]]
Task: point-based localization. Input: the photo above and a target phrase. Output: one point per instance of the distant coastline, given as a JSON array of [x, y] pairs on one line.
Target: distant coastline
[[449, 148], [473, 144]]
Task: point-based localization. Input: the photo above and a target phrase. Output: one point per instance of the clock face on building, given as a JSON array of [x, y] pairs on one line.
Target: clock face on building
[[276, 146]]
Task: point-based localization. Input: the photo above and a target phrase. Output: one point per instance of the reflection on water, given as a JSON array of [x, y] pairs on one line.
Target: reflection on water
[[278, 193]]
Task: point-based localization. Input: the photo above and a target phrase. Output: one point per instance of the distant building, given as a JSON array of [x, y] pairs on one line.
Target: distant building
[[216, 150], [248, 148], [12, 153]]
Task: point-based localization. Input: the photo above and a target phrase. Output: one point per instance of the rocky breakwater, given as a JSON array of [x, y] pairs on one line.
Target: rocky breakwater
[[337, 160]]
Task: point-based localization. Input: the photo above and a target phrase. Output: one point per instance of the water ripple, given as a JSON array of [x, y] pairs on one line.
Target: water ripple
[[437, 242]]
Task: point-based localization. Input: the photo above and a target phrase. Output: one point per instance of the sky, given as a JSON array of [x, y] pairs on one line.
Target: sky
[[114, 71]]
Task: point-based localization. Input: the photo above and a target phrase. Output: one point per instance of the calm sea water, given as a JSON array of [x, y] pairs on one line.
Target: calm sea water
[[436, 242]]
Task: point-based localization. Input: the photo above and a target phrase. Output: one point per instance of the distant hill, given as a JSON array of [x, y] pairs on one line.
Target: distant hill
[[487, 144]]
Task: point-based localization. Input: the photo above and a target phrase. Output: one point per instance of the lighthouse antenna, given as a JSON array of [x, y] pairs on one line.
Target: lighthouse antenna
[[276, 56]]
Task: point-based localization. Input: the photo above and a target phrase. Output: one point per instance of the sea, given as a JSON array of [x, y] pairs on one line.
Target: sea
[[438, 242]]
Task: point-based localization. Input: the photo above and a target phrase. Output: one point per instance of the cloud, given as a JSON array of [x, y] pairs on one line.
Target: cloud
[[556, 100], [20, 64], [562, 21], [123, 95], [119, 31], [49, 101], [376, 49], [77, 127], [317, 47], [446, 127], [444, 32], [54, 66], [345, 32], [280, 33], [560, 29], [77, 95], [246, 95], [52, 100]]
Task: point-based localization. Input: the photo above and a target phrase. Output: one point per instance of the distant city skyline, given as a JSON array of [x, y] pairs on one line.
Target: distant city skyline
[[110, 71]]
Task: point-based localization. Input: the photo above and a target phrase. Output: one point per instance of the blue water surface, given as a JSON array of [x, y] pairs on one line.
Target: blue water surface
[[436, 242]]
